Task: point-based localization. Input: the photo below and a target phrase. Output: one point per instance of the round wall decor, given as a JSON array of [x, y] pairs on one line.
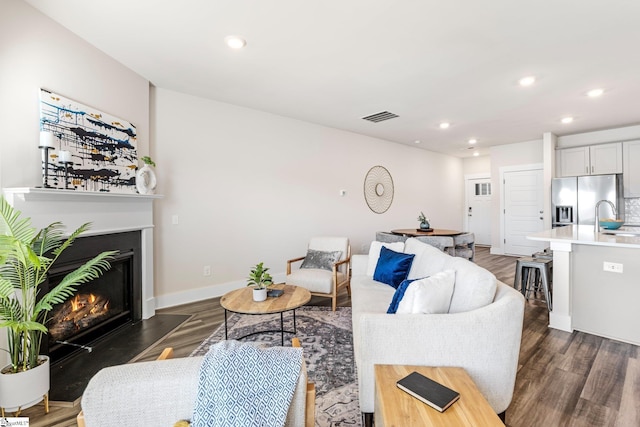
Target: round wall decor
[[378, 189]]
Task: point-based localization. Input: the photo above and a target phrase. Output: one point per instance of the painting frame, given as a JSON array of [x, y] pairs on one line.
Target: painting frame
[[103, 147]]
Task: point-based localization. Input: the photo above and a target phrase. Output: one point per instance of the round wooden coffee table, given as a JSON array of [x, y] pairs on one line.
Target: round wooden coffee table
[[241, 301]]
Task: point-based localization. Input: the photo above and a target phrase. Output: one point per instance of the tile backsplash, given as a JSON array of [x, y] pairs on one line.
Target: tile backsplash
[[632, 211]]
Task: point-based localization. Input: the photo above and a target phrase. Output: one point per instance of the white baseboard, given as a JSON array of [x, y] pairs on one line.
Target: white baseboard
[[148, 308], [496, 251], [560, 321], [195, 295]]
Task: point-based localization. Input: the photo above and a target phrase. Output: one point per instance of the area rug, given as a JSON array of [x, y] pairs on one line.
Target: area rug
[[328, 350]]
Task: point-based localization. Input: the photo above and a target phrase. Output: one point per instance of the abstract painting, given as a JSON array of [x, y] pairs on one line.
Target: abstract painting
[[102, 147]]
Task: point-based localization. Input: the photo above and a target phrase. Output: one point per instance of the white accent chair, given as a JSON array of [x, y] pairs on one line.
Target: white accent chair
[[162, 392], [320, 282]]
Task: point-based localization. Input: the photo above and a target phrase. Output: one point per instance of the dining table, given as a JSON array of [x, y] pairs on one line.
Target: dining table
[[414, 232]]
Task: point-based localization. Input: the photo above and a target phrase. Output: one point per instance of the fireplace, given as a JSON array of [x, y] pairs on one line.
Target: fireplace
[[100, 306], [110, 214]]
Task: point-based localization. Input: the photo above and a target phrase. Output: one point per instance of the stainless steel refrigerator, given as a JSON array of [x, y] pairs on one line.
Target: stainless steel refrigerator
[[573, 199]]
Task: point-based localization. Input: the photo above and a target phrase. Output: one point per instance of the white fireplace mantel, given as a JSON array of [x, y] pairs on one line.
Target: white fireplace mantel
[[107, 212]]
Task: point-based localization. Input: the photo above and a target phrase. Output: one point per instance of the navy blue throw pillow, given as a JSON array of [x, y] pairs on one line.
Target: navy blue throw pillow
[[397, 296], [393, 267]]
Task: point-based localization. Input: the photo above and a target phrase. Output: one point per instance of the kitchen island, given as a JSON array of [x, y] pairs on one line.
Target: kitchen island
[[596, 280]]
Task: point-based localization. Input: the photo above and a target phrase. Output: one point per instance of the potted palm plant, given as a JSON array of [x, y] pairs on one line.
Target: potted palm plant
[[26, 255], [260, 279]]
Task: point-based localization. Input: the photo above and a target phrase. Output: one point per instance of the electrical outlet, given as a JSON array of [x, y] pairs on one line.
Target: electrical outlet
[[174, 220], [206, 271], [613, 267]]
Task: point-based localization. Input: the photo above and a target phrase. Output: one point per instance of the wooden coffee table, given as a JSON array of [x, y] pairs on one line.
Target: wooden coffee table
[[395, 407], [241, 301]]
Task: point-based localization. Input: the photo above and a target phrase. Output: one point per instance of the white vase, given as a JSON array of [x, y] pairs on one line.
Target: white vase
[[24, 389], [260, 294], [146, 180]]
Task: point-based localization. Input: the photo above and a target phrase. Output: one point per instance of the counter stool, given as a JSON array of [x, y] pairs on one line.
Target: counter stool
[[531, 275]]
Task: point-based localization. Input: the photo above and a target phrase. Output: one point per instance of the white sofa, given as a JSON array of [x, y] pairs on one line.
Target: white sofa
[[481, 332]]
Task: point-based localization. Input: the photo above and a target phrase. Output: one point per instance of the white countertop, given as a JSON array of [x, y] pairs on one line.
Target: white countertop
[[585, 235]]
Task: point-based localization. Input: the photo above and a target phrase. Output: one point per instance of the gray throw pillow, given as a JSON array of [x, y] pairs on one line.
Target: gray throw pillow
[[321, 259]]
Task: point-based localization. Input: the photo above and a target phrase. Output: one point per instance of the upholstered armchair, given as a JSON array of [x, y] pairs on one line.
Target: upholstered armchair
[[161, 392], [324, 269]]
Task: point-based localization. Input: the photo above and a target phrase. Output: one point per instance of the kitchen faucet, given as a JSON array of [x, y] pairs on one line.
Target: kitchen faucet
[[597, 223]]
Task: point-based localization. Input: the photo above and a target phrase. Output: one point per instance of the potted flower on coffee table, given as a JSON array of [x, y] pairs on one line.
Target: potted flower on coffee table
[[260, 279]]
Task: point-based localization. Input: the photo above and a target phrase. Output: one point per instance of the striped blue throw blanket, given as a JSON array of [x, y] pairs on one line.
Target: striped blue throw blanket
[[244, 385]]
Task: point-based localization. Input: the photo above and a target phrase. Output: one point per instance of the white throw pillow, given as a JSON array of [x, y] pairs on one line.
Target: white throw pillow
[[475, 286], [374, 253], [429, 260], [431, 295]]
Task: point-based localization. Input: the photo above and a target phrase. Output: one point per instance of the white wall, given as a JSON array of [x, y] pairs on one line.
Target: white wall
[[36, 52], [249, 186], [476, 165], [522, 153]]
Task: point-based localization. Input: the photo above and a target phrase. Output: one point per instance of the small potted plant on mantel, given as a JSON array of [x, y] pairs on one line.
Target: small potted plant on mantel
[[260, 279], [26, 255]]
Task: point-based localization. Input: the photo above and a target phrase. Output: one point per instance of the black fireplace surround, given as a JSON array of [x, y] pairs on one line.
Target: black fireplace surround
[[106, 303]]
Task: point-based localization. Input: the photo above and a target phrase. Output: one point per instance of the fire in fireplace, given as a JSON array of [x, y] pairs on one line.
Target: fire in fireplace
[[80, 312]]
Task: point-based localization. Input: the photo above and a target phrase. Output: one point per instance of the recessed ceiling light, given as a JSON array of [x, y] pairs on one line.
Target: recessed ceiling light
[[235, 42], [417, 141], [566, 120], [527, 81], [594, 93], [476, 154], [473, 141], [445, 125]]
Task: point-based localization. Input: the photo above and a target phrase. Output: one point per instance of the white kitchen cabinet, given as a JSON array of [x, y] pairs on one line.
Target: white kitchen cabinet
[[573, 161], [631, 170], [591, 160], [606, 158]]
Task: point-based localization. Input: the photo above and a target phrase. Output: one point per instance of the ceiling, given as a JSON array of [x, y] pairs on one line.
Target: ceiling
[[333, 62]]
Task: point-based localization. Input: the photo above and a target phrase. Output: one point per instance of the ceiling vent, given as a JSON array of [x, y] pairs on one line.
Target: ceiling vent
[[380, 117]]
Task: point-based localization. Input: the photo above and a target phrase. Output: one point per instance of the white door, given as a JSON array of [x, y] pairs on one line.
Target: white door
[[523, 211], [478, 210]]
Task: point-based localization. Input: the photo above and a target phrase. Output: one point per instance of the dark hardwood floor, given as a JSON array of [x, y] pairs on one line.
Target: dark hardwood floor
[[564, 379]]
